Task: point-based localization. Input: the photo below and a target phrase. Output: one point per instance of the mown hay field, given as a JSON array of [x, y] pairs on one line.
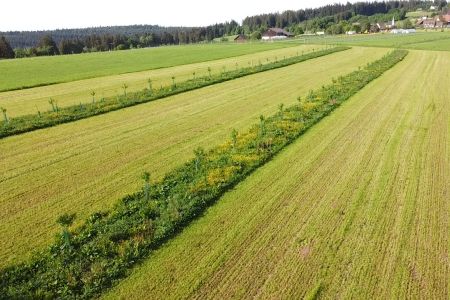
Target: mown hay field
[[30, 101], [37, 71], [87, 165], [432, 40], [355, 208]]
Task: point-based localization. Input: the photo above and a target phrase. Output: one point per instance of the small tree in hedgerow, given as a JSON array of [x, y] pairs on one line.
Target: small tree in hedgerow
[[234, 135], [199, 157], [146, 178], [93, 96], [52, 102], [5, 116], [262, 125], [66, 220], [280, 108]]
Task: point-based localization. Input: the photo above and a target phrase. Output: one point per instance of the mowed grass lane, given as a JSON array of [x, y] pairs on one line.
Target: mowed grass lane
[[35, 71], [87, 165], [29, 101], [357, 207]]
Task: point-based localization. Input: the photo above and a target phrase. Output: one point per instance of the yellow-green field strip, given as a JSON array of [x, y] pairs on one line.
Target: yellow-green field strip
[[30, 101], [357, 208], [46, 70], [84, 166], [27, 123], [85, 261]]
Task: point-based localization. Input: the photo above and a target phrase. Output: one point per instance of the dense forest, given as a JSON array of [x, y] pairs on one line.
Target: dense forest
[[334, 19]]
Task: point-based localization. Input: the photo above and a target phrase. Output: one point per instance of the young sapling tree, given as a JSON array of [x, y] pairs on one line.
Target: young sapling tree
[[262, 125], [38, 112], [93, 96], [5, 116], [199, 157], [66, 220]]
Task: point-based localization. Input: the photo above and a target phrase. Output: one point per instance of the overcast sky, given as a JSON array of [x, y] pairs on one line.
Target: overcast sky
[[50, 14]]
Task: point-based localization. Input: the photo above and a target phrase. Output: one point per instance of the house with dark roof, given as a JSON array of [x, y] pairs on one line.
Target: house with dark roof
[[240, 38], [276, 34]]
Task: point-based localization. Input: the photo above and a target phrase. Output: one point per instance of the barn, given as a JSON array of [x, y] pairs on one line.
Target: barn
[[276, 34]]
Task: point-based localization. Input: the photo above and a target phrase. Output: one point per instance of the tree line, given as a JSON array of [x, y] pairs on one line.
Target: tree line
[[73, 41], [334, 19], [336, 12]]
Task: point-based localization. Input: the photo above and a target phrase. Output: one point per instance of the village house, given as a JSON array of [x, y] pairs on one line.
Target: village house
[[374, 28], [429, 23], [434, 23], [276, 34]]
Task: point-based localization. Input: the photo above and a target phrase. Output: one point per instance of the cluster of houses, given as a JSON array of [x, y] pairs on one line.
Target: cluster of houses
[[437, 22]]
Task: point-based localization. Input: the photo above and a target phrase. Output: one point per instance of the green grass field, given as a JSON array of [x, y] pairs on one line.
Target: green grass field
[[87, 165], [38, 71], [29, 101], [432, 40], [356, 208]]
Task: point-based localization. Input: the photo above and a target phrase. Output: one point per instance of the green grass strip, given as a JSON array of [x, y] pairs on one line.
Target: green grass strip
[[27, 123], [84, 261]]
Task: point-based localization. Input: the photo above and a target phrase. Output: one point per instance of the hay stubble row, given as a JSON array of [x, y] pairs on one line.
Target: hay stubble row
[[87, 165]]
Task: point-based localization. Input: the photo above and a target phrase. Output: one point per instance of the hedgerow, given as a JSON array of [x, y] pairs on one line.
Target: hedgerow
[[84, 261], [72, 113]]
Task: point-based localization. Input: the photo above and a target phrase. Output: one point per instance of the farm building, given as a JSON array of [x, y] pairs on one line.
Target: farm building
[[438, 22], [276, 34], [429, 23], [241, 38], [403, 31], [374, 28]]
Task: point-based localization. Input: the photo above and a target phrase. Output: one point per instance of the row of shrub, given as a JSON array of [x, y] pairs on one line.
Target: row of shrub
[[84, 261], [26, 123]]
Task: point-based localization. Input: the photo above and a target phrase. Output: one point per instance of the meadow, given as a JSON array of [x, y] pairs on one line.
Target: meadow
[[29, 101], [85, 166], [355, 208], [83, 262], [39, 71]]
